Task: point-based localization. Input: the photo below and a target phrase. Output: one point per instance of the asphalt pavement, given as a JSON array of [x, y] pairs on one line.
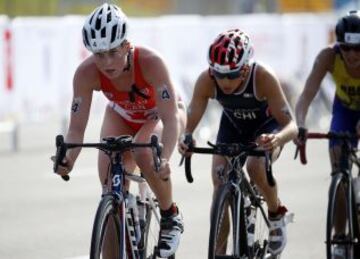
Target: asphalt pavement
[[41, 216]]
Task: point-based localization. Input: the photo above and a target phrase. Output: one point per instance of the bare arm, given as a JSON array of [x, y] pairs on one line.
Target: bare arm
[[166, 100], [322, 64], [83, 83], [203, 90], [270, 89]]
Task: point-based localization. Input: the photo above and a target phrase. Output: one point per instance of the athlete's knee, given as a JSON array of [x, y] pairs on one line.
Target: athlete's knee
[[218, 174], [254, 166]]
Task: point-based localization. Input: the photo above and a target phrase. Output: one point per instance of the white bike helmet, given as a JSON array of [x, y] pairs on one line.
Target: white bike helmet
[[105, 28]]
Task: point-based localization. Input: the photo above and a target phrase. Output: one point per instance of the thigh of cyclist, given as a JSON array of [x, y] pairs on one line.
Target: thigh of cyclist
[[343, 120], [114, 125]]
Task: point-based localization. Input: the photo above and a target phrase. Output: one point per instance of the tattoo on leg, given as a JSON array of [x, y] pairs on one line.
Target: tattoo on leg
[[75, 107]]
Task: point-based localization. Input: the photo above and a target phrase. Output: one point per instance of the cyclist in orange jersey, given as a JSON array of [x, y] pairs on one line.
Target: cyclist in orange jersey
[[142, 102]]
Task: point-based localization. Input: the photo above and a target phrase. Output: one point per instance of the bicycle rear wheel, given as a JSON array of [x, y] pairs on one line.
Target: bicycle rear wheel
[[227, 231], [341, 227], [107, 240]]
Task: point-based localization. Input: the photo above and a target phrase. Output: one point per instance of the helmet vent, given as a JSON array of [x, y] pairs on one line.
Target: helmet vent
[[98, 23], [123, 31], [113, 33], [222, 58], [236, 42], [92, 16], [231, 54], [93, 34], [86, 39], [108, 17], [216, 53], [103, 32]]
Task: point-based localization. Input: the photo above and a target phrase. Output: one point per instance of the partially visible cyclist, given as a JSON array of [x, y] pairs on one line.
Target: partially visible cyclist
[[142, 102], [342, 61], [254, 109]]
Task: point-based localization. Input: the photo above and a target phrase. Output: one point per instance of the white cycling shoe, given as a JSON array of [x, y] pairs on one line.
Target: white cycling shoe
[[170, 232], [277, 231]]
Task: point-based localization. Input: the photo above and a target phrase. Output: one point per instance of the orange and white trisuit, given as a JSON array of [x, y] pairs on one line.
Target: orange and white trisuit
[[137, 106]]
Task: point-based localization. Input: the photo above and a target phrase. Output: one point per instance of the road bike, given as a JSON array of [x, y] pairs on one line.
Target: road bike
[[342, 225], [247, 223], [132, 222]]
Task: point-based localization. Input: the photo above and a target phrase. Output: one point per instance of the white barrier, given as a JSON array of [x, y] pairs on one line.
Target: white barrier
[[8, 124], [46, 52], [4, 65]]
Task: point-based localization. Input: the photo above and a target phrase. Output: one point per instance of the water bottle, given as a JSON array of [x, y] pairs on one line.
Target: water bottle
[[250, 213], [132, 206], [142, 211]]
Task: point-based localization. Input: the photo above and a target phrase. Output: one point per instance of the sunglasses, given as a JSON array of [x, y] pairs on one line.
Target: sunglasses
[[230, 75], [345, 47]]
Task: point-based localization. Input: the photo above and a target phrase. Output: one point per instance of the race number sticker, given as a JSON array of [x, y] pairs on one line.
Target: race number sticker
[[164, 93], [286, 111], [75, 107]]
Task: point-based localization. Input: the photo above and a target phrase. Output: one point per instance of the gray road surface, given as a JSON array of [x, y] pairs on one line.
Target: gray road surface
[[43, 217]]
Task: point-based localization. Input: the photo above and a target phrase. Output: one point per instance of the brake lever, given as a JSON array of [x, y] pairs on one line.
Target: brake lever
[[268, 168], [189, 141], [157, 149], [60, 154]]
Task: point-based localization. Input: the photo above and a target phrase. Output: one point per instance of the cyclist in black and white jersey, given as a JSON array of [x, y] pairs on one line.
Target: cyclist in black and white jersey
[[254, 109]]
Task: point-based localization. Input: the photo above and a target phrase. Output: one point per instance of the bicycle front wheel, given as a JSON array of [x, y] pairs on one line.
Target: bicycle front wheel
[[261, 233], [107, 240], [341, 219], [227, 231]]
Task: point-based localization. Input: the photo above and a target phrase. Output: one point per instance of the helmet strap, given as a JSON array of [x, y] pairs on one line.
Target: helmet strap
[[128, 63]]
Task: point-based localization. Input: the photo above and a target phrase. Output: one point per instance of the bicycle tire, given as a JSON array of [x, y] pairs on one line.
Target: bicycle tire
[[332, 241], [107, 209], [150, 232], [224, 200]]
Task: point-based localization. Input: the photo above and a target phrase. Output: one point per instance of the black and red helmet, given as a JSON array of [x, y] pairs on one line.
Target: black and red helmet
[[230, 51], [348, 28]]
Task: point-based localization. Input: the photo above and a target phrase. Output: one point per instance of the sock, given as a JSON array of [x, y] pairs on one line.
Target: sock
[[281, 211], [173, 210]]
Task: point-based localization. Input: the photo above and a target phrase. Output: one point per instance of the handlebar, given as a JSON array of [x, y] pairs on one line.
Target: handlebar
[[230, 150], [109, 145], [301, 149]]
